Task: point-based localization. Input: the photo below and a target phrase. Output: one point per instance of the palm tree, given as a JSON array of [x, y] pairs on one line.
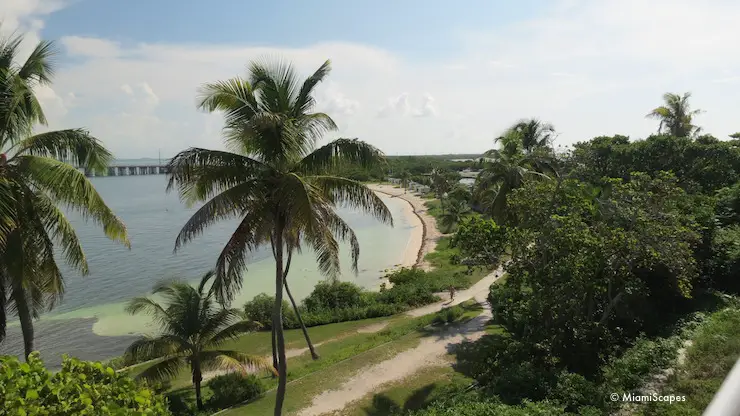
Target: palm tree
[[35, 182], [440, 183], [454, 213], [509, 168], [676, 116], [193, 327], [405, 177], [534, 134], [735, 135], [274, 180]]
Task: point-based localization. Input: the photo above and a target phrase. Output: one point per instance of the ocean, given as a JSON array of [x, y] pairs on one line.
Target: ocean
[[91, 324]]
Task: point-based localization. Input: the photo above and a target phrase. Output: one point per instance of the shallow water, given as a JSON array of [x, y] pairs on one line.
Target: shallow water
[[91, 323]]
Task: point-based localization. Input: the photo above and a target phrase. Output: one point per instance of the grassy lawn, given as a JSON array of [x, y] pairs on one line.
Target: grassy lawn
[[709, 359], [342, 359], [445, 271]]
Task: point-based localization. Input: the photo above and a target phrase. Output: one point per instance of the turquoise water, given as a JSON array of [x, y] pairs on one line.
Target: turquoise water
[[91, 323]]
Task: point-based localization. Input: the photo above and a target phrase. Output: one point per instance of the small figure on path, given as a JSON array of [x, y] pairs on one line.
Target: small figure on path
[[452, 293]]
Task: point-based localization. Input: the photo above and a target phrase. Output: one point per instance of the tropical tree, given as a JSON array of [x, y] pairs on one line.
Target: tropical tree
[[676, 116], [534, 134], [33, 182], [509, 167], [454, 211], [193, 327], [274, 179], [735, 135], [440, 183]]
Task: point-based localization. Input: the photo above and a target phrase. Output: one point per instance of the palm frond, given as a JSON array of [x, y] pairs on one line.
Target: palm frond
[[199, 174], [145, 348], [74, 146], [353, 194], [341, 151], [234, 361], [163, 370], [39, 66], [148, 306], [232, 331], [65, 184], [304, 102]]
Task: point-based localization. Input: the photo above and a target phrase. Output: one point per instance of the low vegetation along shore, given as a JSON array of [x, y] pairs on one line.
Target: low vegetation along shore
[[552, 281]]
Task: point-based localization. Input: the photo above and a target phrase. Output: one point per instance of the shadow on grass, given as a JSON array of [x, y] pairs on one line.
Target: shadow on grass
[[383, 405]]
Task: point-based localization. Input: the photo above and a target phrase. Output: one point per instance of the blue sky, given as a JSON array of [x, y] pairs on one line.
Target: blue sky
[[410, 77]]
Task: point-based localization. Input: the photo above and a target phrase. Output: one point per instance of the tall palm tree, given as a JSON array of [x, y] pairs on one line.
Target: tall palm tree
[[509, 167], [34, 183], [440, 183], [405, 177], [274, 179], [193, 326], [676, 116], [534, 134]]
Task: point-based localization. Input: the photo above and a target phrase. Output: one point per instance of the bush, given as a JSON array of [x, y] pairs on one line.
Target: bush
[[79, 388], [410, 294], [333, 295], [405, 276], [234, 388], [644, 358], [259, 309]]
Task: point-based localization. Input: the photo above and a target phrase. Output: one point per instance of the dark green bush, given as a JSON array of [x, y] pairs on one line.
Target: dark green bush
[[644, 358], [234, 388], [259, 309], [409, 294], [333, 295]]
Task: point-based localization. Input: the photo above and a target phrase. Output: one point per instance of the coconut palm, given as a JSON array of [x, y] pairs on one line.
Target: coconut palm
[[193, 327], [405, 178], [34, 182], [509, 167], [440, 183], [275, 180], [676, 116], [454, 211], [534, 134]]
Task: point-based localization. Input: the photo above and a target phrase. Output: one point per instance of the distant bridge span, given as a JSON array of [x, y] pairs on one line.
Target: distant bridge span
[[131, 170]]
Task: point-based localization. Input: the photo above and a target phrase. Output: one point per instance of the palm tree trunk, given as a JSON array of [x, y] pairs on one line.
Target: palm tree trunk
[[197, 379], [277, 319], [24, 315], [274, 350], [311, 348]]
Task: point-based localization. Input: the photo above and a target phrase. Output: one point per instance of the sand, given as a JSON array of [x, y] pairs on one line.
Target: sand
[[425, 234]]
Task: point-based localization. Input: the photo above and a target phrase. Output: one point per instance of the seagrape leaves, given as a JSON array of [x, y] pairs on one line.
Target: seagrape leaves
[[79, 388]]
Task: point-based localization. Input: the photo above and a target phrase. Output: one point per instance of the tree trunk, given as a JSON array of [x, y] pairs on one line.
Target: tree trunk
[[277, 319], [24, 315], [314, 354], [274, 350], [311, 348], [197, 378]]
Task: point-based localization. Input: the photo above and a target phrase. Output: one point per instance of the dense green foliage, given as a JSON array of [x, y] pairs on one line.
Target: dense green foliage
[[79, 388], [481, 242], [234, 388]]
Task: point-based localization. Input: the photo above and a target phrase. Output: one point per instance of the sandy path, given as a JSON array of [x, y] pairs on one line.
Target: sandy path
[[425, 234], [431, 351], [481, 288]]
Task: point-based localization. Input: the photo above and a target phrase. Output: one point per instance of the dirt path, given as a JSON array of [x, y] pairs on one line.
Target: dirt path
[[481, 288], [431, 351]]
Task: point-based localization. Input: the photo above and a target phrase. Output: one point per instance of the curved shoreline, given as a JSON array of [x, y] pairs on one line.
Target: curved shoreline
[[429, 231]]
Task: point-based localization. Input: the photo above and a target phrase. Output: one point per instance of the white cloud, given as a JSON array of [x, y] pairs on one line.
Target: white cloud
[[589, 67]]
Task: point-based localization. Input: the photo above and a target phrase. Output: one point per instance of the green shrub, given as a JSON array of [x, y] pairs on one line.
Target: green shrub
[[574, 391], [234, 388], [333, 295], [79, 388], [465, 406], [259, 309], [405, 275], [411, 294], [644, 358]]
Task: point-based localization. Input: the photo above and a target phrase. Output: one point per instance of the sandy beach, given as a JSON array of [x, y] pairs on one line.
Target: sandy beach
[[425, 234]]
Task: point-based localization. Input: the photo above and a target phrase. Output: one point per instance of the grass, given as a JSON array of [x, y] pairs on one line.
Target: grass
[[715, 349], [342, 359], [448, 273]]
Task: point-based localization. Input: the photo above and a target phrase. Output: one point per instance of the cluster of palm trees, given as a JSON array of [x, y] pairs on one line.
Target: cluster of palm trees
[[273, 178]]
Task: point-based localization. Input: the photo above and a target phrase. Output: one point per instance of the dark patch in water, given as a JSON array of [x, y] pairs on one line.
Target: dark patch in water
[[73, 337]]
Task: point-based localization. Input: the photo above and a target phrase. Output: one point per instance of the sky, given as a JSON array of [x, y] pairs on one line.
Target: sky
[[410, 77]]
